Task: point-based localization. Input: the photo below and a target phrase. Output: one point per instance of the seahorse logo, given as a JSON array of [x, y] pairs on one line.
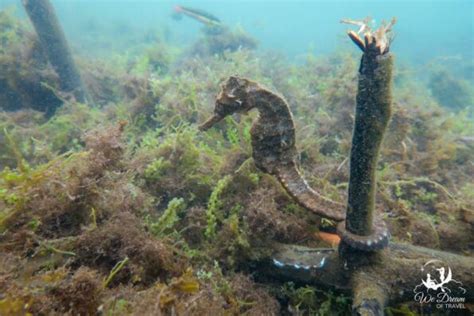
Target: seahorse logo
[[438, 287], [435, 283]]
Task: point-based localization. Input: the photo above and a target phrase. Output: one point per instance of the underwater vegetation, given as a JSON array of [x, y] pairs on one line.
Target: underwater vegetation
[[217, 37], [25, 76], [449, 91], [124, 207]]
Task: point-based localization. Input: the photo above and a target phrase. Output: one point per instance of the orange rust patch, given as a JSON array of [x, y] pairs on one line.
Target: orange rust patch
[[332, 239]]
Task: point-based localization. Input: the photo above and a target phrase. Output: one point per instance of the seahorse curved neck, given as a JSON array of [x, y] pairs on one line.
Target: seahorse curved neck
[[273, 133], [274, 152]]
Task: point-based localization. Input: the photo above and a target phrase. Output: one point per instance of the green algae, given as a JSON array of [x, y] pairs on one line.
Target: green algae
[[314, 301], [452, 92], [168, 219], [214, 208]]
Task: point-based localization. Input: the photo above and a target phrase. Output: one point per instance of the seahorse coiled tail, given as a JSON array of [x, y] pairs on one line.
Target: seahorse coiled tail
[[273, 140]]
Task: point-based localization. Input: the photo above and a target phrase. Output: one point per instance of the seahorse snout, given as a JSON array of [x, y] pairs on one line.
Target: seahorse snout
[[210, 122]]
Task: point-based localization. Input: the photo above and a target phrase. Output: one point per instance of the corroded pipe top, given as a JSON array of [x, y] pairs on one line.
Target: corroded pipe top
[[377, 41], [364, 229]]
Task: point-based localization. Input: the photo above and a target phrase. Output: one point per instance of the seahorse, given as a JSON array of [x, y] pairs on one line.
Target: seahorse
[[273, 140]]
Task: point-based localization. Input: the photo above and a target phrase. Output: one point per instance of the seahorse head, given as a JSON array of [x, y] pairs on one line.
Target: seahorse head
[[233, 98]]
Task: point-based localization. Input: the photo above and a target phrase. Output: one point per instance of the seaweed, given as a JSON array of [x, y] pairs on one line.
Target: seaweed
[[313, 301], [217, 41], [451, 92], [180, 167], [53, 42], [25, 75]]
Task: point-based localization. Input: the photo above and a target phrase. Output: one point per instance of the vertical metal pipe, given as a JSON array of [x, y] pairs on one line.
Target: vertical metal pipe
[[373, 111], [53, 41]]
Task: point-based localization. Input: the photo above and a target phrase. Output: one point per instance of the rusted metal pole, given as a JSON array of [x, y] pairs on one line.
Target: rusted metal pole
[[365, 230], [371, 120], [53, 41]]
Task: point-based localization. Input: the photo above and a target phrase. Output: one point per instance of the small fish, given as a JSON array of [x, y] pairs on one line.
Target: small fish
[[332, 239], [199, 15]]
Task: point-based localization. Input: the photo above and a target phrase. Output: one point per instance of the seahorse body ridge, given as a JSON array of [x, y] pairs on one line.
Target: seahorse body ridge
[[273, 140]]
